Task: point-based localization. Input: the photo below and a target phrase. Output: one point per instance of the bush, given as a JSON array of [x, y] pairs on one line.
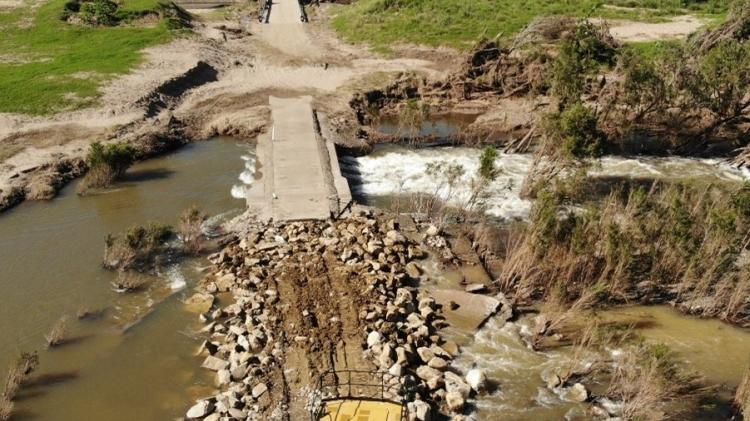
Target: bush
[[17, 373], [683, 240], [576, 130], [588, 47], [719, 81], [56, 336], [137, 247], [106, 164], [191, 231], [99, 13]]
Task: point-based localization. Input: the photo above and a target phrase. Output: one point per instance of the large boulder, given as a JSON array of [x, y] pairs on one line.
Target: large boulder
[[214, 364], [577, 393], [200, 409], [455, 401], [477, 380], [199, 303]]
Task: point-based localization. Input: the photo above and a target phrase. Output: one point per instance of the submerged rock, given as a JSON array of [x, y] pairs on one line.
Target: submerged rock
[[199, 303]]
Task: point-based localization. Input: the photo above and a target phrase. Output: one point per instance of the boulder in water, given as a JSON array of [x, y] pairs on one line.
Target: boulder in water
[[477, 379]]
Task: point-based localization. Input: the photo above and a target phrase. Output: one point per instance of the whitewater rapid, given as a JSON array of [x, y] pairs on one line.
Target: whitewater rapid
[[396, 170], [247, 177]]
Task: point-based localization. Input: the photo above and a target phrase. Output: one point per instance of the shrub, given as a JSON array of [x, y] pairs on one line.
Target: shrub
[[487, 170], [17, 374], [190, 229], [137, 247], [106, 164], [70, 8], [175, 16], [719, 81], [576, 131], [129, 282], [588, 47], [646, 378], [99, 13], [56, 336]]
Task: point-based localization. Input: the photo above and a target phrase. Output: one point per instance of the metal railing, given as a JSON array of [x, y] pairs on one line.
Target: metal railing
[[342, 385]]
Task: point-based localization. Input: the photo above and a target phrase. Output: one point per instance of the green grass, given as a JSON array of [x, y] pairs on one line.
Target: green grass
[[64, 64], [460, 23]]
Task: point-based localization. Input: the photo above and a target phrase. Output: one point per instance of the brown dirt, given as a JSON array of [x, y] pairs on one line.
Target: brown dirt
[[677, 27]]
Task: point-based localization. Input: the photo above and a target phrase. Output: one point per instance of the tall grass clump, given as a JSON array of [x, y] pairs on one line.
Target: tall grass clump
[[647, 379], [137, 247], [106, 163], [742, 396], [682, 241], [18, 372], [57, 334], [191, 229]]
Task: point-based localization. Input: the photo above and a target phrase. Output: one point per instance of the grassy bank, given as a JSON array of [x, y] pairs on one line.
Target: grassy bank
[[48, 65], [459, 24]]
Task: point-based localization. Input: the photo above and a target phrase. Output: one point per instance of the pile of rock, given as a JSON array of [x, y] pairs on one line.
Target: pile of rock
[[247, 339], [402, 339]]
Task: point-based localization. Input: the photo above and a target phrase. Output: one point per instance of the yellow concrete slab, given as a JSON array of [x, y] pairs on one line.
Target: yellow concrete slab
[[357, 410]]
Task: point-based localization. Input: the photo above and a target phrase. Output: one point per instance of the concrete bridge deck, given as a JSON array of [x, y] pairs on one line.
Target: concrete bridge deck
[[300, 177]]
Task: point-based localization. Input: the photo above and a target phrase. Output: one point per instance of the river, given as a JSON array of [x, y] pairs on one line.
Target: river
[[50, 266]]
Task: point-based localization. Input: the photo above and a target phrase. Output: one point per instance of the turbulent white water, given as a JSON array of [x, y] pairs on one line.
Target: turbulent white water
[[398, 169], [247, 177]]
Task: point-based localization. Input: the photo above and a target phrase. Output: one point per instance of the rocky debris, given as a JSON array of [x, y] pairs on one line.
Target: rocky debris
[[577, 393], [400, 324], [199, 303], [465, 309], [200, 409], [477, 380], [475, 288]]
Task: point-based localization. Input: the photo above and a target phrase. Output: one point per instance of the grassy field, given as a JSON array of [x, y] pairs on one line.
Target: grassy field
[[459, 23], [47, 65]]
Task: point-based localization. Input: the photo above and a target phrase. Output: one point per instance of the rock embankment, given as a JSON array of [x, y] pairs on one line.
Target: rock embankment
[[288, 302]]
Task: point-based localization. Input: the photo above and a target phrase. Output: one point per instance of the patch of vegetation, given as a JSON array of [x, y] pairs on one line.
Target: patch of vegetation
[[676, 241], [65, 64], [18, 372], [460, 24], [137, 247], [647, 377], [576, 131], [191, 229], [58, 333], [106, 164]]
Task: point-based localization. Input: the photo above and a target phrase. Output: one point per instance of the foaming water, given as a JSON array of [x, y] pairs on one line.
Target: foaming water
[[394, 170], [247, 177]]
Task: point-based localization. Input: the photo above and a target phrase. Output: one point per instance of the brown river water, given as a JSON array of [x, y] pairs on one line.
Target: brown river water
[[718, 352], [136, 361]]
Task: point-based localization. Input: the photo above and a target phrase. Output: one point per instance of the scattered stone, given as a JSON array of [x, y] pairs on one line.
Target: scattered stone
[[475, 288], [455, 401], [577, 393], [259, 390], [199, 303], [200, 409], [214, 364], [477, 380]]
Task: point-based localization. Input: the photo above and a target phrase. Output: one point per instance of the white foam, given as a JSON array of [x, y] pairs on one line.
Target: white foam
[[175, 278], [402, 170], [238, 191]]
